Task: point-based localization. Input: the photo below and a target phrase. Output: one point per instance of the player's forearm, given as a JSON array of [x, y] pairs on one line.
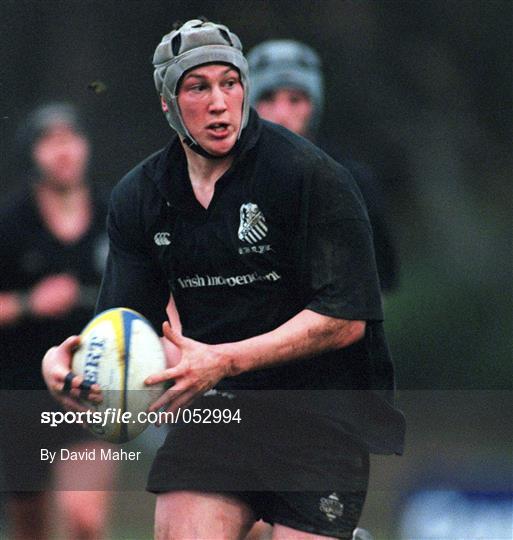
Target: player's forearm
[[307, 334]]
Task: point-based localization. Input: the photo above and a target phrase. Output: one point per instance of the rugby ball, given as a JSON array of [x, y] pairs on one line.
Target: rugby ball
[[118, 350]]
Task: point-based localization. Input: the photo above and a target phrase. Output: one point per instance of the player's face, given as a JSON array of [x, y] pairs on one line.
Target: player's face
[[61, 156], [210, 100], [288, 107]]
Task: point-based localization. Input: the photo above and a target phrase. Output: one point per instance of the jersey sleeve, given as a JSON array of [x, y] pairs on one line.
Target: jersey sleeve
[[339, 261], [387, 258], [132, 278]]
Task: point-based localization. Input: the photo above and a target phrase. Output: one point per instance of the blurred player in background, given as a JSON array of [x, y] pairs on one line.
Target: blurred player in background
[[287, 87], [52, 247], [266, 245]]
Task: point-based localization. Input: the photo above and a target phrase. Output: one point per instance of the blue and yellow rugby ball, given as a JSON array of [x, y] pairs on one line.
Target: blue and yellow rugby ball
[[118, 350]]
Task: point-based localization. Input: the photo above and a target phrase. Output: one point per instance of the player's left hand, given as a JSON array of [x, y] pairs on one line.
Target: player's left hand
[[200, 368]]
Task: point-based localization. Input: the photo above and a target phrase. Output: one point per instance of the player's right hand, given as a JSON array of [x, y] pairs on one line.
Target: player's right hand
[[56, 366]]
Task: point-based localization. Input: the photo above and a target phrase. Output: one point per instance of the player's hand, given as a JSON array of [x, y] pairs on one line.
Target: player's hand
[[56, 367], [200, 368], [54, 296]]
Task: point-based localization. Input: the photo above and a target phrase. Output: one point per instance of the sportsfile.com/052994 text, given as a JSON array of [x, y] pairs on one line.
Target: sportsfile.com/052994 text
[[113, 415]]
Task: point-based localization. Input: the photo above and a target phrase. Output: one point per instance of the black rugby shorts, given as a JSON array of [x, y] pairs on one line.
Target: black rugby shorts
[[290, 468]]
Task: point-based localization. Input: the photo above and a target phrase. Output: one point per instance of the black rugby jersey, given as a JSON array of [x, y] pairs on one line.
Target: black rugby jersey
[[29, 252], [286, 230], [372, 189]]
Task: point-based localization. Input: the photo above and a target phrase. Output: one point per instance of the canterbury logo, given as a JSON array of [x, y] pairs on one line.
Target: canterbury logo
[[162, 239], [252, 226]]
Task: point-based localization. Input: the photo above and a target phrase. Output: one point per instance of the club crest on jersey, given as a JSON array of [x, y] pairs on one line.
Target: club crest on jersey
[[331, 507], [252, 226]]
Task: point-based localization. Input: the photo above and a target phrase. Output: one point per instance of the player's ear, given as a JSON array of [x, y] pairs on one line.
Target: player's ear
[[163, 104]]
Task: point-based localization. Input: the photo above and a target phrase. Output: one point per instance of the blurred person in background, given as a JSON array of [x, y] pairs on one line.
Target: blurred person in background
[[287, 87], [53, 247]]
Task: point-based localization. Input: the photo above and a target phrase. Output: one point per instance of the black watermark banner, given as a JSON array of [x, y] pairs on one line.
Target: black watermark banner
[[245, 440]]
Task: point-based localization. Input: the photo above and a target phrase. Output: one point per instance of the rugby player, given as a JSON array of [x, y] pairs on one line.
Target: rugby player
[[265, 244]]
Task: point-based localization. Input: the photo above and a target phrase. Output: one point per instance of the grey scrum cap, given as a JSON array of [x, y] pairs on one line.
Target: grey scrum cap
[[193, 44]]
